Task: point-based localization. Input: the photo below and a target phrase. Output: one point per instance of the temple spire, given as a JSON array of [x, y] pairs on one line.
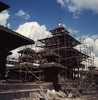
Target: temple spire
[[59, 23]]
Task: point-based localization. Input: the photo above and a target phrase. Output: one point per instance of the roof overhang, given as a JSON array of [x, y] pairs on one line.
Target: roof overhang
[[10, 40], [3, 6]]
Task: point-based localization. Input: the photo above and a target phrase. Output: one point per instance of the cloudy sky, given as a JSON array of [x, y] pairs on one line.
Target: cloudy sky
[[34, 18]]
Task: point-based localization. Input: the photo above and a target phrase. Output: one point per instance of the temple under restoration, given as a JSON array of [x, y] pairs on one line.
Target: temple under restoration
[[57, 62]]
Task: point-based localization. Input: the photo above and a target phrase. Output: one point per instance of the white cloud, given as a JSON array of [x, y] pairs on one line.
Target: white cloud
[[89, 42], [23, 14], [14, 55], [8, 25], [4, 16], [90, 47], [33, 31], [20, 13], [79, 5], [94, 36], [96, 61], [61, 2]]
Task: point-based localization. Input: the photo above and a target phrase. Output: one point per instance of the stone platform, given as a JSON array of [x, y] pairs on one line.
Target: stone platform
[[9, 91]]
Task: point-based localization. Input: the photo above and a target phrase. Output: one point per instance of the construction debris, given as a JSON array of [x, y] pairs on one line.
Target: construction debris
[[57, 95]]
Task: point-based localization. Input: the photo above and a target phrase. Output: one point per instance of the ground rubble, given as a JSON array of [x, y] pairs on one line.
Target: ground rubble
[[57, 95], [73, 92], [48, 95]]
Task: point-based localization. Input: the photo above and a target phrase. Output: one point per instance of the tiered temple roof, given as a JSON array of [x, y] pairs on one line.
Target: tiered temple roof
[[62, 44]]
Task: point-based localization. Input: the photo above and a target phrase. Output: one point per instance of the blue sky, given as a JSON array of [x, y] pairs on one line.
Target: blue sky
[[47, 12], [39, 16]]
